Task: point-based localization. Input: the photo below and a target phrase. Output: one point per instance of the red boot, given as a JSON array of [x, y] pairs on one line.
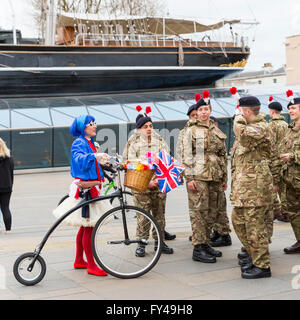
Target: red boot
[[79, 261], [92, 268]]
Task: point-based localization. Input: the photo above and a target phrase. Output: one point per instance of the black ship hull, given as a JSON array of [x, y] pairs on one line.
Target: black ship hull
[[46, 71]]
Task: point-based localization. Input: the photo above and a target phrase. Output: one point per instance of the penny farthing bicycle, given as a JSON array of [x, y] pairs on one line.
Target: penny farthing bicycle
[[113, 240]]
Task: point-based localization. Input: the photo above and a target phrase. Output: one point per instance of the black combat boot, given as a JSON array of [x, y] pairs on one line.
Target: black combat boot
[[200, 254], [221, 241], [256, 273], [165, 248], [246, 267], [243, 255], [169, 236], [212, 251], [140, 251], [245, 261], [214, 235]]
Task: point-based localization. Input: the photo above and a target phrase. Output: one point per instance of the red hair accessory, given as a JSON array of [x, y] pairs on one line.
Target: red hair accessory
[[235, 94], [139, 109], [148, 111], [205, 95], [233, 90], [197, 97], [290, 95], [270, 100]]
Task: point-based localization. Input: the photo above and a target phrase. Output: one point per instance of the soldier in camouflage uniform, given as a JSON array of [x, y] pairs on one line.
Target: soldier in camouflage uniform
[[220, 236], [279, 128], [253, 181], [203, 153], [290, 156], [145, 140]]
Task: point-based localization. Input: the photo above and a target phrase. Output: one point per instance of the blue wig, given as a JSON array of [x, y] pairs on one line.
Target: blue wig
[[78, 126]]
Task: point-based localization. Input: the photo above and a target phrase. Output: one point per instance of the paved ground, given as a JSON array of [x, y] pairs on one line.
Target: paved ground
[[175, 277]]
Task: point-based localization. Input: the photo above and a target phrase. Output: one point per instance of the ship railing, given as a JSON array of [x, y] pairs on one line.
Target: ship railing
[[142, 40]]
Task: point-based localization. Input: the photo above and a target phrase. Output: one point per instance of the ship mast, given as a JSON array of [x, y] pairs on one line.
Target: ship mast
[[50, 23], [13, 22]]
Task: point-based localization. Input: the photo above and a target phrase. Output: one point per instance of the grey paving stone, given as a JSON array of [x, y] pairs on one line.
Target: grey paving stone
[[241, 289]]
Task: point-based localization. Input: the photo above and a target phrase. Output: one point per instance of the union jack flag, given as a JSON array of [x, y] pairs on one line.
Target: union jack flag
[[168, 171]]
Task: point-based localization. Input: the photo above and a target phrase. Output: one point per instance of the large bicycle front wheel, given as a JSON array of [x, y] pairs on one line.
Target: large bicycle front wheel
[[114, 242]]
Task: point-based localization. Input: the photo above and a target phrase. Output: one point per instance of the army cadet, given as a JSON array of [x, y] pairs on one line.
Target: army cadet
[[290, 156], [203, 153], [145, 140], [192, 114], [220, 236], [278, 129], [252, 186]]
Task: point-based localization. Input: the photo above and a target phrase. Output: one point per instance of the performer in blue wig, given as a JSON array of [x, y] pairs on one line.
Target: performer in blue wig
[[87, 173]]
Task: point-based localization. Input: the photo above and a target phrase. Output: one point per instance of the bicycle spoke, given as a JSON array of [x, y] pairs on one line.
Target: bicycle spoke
[[117, 253]]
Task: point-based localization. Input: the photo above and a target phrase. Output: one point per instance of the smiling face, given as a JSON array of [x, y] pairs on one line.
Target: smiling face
[[204, 113], [294, 111], [90, 129]]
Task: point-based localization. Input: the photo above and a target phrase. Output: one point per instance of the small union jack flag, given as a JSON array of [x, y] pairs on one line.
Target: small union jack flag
[[168, 171]]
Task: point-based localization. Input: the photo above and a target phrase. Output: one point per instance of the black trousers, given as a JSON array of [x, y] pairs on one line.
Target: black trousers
[[4, 205]]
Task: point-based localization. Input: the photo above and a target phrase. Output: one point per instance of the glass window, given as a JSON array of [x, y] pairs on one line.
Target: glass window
[[114, 111], [61, 119], [104, 118], [26, 104], [156, 115], [173, 110], [64, 102], [38, 114], [71, 111], [96, 101], [4, 119], [131, 113], [18, 120]]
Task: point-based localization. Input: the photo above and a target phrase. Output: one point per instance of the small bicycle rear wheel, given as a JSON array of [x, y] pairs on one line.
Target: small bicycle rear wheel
[[21, 273], [115, 252]]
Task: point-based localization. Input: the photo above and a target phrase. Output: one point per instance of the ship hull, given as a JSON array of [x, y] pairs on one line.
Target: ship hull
[[38, 82], [33, 70]]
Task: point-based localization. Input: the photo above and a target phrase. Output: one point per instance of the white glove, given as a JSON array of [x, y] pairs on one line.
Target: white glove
[[103, 158]]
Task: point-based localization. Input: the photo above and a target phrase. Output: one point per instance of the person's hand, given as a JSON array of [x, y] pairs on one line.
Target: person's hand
[[103, 158], [285, 157], [224, 186], [275, 188], [192, 186], [153, 184]]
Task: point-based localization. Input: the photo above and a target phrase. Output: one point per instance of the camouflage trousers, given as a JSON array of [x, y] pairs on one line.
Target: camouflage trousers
[[203, 209], [293, 208], [221, 225], [154, 203], [250, 227], [279, 199], [269, 221]]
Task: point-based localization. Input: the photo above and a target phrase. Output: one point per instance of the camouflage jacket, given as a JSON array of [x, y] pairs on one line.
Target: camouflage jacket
[[279, 129], [256, 167], [138, 146], [201, 149], [291, 144]]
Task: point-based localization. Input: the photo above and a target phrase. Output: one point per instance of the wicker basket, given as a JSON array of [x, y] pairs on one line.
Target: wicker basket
[[138, 180]]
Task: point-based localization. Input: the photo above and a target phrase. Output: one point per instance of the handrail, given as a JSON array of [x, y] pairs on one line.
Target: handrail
[[158, 40]]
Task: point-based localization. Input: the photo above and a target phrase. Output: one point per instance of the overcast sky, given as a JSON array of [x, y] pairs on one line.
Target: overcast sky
[[277, 20]]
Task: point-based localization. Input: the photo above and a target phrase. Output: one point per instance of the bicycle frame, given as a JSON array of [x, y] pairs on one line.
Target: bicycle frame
[[117, 194]]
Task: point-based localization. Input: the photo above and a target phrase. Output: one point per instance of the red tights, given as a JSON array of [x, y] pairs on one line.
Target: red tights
[[83, 244]]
